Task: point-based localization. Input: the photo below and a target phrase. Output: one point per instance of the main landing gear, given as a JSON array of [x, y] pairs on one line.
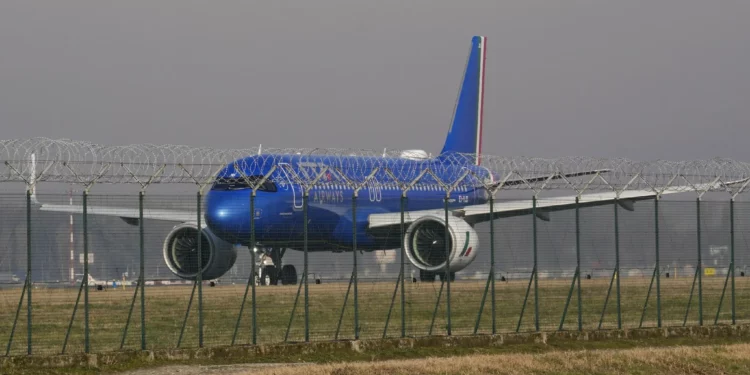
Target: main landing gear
[[271, 270], [429, 276]]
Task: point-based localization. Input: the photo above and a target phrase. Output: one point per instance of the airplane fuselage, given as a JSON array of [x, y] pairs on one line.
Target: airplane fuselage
[[278, 207]]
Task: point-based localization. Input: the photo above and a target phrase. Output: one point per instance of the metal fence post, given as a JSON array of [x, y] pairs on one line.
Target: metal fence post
[[536, 264], [492, 262], [617, 263], [251, 278], [141, 287], [142, 270], [254, 312], [731, 267], [26, 285], [28, 272], [447, 269], [199, 278], [403, 273], [700, 262], [253, 249], [85, 281], [658, 266], [690, 299], [578, 263], [304, 230], [355, 266]]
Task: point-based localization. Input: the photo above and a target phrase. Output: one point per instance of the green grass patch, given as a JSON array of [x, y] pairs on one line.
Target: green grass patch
[[166, 308]]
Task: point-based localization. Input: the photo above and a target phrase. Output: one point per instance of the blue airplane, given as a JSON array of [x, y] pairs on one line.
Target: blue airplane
[[283, 181]]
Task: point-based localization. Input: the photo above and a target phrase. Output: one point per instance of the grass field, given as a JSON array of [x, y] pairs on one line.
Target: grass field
[[719, 359], [166, 306]]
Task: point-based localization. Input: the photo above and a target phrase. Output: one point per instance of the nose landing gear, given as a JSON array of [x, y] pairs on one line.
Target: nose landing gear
[[272, 271], [268, 275]]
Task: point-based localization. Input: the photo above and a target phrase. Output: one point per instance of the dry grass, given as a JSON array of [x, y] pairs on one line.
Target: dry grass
[[733, 359]]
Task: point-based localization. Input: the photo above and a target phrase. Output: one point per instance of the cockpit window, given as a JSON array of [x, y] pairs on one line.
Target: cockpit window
[[241, 183]]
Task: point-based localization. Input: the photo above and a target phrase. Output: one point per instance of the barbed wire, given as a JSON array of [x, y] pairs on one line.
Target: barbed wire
[[79, 162]]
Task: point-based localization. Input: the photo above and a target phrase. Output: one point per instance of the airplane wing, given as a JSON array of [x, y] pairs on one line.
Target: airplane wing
[[127, 214], [531, 180], [131, 214], [481, 212]]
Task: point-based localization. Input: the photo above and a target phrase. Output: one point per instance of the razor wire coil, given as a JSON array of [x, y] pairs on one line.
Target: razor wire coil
[[79, 162]]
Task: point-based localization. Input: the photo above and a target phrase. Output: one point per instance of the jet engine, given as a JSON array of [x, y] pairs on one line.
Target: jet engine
[[181, 253], [425, 245]]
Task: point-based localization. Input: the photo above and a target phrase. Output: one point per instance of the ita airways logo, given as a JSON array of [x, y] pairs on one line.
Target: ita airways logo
[[467, 249]]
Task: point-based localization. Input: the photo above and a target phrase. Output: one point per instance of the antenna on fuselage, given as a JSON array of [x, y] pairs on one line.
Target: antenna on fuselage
[[260, 147], [384, 151]]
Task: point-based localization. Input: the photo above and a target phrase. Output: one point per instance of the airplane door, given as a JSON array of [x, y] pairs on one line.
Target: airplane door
[[290, 186]]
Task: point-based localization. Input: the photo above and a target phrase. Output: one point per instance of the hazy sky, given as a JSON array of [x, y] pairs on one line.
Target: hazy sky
[[638, 79]]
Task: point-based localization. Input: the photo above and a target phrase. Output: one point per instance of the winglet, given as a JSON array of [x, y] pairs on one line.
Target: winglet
[[465, 134]]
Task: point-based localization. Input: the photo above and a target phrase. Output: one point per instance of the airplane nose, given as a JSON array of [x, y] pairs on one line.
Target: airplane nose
[[227, 214]]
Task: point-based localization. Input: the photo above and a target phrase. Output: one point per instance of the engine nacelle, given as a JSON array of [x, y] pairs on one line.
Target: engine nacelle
[[181, 253], [424, 243]]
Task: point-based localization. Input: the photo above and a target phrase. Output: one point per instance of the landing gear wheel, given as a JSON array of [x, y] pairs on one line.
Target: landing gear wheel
[[426, 276], [288, 275], [268, 276], [442, 276]]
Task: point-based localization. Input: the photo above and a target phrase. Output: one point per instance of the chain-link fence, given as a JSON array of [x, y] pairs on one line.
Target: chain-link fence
[[93, 277]]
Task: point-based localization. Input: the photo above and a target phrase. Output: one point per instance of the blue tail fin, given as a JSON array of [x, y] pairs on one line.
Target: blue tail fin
[[465, 134]]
